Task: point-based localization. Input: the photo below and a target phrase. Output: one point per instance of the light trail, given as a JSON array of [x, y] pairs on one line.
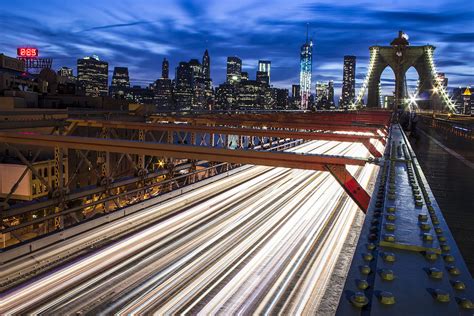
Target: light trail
[[267, 244]]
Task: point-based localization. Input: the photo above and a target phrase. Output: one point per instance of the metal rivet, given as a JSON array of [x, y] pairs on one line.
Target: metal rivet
[[435, 273], [387, 275], [390, 226], [389, 256], [453, 270], [430, 255], [438, 230], [389, 237], [362, 284], [371, 246], [390, 217], [466, 303], [387, 298], [391, 209], [418, 203], [359, 299], [427, 237], [442, 238], [425, 226], [368, 257], [422, 217], [459, 285], [442, 296], [365, 269], [445, 248], [448, 258]]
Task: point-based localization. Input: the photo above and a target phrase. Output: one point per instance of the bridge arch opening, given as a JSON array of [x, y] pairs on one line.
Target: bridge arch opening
[[387, 88]]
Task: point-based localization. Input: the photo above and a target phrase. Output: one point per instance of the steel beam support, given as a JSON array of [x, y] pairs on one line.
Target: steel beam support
[[350, 185], [273, 159], [283, 131]]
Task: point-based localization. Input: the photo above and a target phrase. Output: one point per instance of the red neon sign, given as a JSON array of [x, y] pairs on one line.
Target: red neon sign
[[27, 52]]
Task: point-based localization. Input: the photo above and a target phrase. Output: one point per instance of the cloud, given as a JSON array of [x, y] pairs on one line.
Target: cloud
[[140, 33]]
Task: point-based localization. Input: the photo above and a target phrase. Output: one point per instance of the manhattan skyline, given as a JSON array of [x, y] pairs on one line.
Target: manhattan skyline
[[139, 34]]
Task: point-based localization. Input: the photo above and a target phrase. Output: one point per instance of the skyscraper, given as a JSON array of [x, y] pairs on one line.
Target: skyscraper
[[348, 81], [120, 82], [165, 69], [93, 76], [321, 94], [262, 76], [163, 88], [198, 84], [206, 65], [234, 70], [306, 60], [120, 77], [183, 86], [330, 94], [264, 66]]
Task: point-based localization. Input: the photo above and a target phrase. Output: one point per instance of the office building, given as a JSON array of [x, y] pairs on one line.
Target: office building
[[264, 66], [183, 94], [262, 76], [165, 69], [120, 82], [234, 70], [93, 76], [348, 82], [306, 60], [206, 65]]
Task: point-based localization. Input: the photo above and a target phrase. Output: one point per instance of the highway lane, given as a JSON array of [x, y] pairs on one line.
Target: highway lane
[[266, 244]]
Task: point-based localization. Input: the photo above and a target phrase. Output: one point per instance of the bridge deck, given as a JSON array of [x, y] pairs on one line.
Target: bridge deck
[[406, 260]]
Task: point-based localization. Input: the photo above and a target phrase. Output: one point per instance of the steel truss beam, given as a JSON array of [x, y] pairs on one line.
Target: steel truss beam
[[272, 159], [350, 185], [221, 130]]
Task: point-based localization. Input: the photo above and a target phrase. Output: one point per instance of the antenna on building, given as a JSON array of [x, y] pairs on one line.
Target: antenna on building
[[307, 31]]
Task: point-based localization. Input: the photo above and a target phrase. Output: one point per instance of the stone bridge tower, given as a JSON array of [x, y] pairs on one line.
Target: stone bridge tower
[[400, 56]]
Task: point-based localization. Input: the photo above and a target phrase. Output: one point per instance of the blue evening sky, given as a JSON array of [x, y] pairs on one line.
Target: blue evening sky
[[139, 33]]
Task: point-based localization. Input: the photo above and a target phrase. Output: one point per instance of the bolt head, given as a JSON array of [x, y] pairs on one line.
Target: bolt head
[[459, 285], [387, 298], [389, 257], [368, 257], [362, 284], [442, 296], [387, 274], [430, 255], [466, 303], [427, 237], [390, 227], [453, 270], [445, 248], [370, 246], [435, 273], [365, 269], [359, 299], [425, 226], [422, 217], [391, 209]]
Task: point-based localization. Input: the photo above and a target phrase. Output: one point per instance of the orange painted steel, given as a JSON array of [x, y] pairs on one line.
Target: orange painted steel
[[264, 158]]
